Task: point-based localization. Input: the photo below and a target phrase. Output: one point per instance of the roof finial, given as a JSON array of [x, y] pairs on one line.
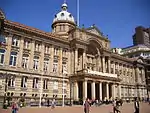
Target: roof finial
[[64, 6]]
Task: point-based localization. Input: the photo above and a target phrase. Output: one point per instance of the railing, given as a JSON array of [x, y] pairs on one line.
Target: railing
[[98, 73]]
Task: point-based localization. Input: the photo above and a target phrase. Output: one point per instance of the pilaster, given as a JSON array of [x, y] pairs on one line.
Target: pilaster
[[8, 51], [19, 59]]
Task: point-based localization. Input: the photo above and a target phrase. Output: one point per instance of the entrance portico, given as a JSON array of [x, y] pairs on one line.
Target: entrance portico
[[95, 87]]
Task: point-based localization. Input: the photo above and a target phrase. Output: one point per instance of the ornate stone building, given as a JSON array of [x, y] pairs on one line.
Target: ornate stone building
[[71, 61]]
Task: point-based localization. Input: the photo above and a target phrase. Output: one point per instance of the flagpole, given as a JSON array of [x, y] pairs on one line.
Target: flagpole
[[78, 14]]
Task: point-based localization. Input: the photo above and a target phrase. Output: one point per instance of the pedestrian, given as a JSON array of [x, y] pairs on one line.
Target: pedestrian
[[136, 105], [48, 103], [86, 106], [53, 104], [116, 106], [96, 102], [14, 107]]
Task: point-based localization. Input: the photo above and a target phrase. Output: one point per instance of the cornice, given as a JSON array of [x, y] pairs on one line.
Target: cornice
[[33, 31], [116, 56]]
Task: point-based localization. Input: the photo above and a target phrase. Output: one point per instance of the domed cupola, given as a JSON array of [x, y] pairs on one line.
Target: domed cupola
[[63, 21]]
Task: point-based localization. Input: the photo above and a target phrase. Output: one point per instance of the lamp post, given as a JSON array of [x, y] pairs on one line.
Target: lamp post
[[63, 92], [5, 91], [41, 90]]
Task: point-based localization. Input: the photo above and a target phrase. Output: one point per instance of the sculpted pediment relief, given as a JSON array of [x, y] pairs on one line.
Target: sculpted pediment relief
[[140, 60], [94, 30]]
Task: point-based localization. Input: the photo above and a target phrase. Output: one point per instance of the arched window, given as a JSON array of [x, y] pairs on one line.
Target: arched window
[[2, 54]]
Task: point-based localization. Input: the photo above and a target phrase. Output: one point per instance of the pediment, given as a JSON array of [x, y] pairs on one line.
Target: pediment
[[140, 60], [94, 30]]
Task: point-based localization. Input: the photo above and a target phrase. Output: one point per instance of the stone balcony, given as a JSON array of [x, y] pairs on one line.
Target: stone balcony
[[88, 72]]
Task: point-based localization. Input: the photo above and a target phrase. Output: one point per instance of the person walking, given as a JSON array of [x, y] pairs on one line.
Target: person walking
[[48, 102], [136, 105], [116, 106], [14, 107], [53, 104], [86, 106]]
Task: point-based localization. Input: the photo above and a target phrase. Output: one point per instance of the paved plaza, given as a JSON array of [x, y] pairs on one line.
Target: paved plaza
[[126, 108]]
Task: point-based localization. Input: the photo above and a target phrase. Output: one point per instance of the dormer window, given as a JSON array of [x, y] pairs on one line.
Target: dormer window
[[62, 14], [55, 16]]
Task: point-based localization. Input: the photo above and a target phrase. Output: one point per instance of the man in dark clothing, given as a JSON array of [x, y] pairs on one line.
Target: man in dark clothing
[[86, 106], [136, 105], [48, 102]]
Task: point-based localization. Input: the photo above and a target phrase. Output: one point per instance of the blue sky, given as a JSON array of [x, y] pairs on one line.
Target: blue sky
[[115, 18]]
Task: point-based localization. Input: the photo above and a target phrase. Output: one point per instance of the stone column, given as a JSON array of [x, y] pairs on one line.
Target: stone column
[[76, 91], [119, 91], [19, 59], [84, 59], [100, 64], [76, 59], [84, 89], [72, 61], [114, 67], [93, 90], [109, 65], [143, 77], [103, 62], [60, 61], [41, 66], [100, 90], [107, 90], [69, 62], [8, 51], [113, 91], [32, 54], [52, 58], [137, 74]]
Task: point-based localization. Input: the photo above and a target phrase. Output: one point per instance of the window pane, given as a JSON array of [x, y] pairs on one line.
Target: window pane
[[11, 60], [2, 59], [14, 63]]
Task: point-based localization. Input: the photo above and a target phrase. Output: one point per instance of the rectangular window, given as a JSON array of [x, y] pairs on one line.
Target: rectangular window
[[13, 59], [46, 62], [55, 67], [35, 63], [64, 52], [26, 44], [24, 82], [15, 41], [11, 82], [55, 51], [37, 47], [35, 83], [47, 49], [2, 53], [25, 62], [55, 85], [45, 84], [64, 68]]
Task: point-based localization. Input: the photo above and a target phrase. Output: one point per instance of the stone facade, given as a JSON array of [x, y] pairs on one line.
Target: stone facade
[[77, 61]]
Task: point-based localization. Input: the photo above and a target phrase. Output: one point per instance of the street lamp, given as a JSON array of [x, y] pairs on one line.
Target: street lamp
[[41, 89], [63, 99], [5, 91]]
